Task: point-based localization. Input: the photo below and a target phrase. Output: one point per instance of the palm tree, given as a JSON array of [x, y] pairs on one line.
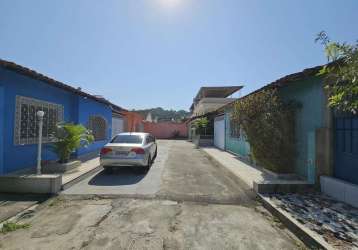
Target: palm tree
[[69, 137]]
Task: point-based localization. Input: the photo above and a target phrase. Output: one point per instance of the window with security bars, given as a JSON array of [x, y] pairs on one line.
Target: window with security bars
[[98, 126], [26, 121]]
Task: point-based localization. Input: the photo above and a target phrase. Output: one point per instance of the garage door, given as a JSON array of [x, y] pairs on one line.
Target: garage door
[[117, 125], [219, 132]]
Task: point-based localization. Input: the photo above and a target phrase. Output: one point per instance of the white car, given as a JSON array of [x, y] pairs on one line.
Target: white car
[[129, 149]]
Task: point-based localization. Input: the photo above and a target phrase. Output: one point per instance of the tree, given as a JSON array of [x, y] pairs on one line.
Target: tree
[[67, 138], [340, 74]]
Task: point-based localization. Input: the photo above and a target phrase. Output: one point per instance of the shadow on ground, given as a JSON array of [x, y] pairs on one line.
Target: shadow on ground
[[122, 176]]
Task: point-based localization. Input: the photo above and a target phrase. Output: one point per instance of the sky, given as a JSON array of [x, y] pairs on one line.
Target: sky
[[151, 53]]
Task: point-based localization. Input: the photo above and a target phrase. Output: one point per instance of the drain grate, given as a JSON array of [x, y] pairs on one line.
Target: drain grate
[[146, 243]]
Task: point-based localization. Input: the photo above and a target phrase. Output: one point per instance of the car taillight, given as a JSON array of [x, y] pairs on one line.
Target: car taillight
[[105, 151], [138, 150]]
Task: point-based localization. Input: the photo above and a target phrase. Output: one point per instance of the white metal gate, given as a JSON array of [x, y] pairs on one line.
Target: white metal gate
[[219, 132], [117, 125]]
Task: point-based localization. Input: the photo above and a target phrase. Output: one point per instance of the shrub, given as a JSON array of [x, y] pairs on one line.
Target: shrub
[[68, 138], [269, 125]]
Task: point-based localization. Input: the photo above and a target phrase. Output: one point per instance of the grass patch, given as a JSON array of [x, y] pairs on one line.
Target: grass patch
[[12, 226]]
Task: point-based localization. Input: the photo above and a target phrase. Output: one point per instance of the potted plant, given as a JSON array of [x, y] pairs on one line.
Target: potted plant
[[67, 138]]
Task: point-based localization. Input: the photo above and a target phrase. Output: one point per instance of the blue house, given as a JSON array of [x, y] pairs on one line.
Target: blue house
[[22, 93]]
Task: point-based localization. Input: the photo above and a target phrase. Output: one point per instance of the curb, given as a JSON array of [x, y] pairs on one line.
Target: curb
[[304, 234], [308, 237], [80, 178], [40, 200], [19, 215]]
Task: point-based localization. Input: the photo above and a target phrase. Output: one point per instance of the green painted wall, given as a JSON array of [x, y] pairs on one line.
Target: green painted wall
[[237, 146], [310, 116]]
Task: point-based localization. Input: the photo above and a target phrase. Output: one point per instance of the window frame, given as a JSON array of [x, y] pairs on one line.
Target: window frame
[[105, 132], [57, 109]]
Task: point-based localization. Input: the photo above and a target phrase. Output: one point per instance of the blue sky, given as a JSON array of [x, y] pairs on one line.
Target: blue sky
[[150, 53]]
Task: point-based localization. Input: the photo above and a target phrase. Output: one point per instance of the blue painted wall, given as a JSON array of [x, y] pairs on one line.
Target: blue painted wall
[[86, 108], [2, 110], [17, 84], [310, 94], [235, 145]]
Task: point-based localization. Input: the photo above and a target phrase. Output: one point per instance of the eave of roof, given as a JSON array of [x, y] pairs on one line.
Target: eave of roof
[[228, 90], [38, 76], [283, 81]]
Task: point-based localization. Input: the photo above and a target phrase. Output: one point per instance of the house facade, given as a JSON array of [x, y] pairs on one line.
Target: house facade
[[207, 101], [313, 126], [23, 92], [133, 122], [326, 141], [118, 122]]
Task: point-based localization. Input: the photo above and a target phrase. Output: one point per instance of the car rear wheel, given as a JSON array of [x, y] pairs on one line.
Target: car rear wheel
[[155, 154], [149, 164]]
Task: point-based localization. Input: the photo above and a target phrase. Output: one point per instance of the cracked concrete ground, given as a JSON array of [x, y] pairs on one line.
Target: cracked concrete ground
[[196, 206]]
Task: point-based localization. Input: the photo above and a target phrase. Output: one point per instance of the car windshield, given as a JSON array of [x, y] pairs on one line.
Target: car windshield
[[131, 139]]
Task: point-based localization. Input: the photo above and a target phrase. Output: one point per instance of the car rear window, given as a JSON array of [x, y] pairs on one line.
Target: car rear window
[[131, 139]]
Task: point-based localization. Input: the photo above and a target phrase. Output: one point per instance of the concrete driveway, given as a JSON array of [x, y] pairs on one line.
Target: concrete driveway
[[184, 202], [180, 172], [126, 181]]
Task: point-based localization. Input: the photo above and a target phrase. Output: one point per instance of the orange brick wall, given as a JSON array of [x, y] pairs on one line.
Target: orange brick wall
[[133, 122]]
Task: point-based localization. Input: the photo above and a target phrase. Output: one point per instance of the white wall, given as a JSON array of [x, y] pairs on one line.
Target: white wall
[[340, 190], [117, 126]]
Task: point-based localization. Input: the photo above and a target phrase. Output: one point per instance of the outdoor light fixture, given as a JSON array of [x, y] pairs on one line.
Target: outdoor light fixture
[[40, 115]]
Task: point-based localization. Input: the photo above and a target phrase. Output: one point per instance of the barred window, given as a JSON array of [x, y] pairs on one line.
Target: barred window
[[26, 121], [98, 126]]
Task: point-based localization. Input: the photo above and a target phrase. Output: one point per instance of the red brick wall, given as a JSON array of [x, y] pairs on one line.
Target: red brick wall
[[165, 130]]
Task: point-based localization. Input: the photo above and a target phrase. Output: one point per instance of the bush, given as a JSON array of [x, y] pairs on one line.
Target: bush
[[269, 125], [68, 138]]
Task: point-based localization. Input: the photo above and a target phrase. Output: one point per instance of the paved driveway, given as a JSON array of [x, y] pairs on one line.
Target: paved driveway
[[126, 180], [180, 172], [184, 202]]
